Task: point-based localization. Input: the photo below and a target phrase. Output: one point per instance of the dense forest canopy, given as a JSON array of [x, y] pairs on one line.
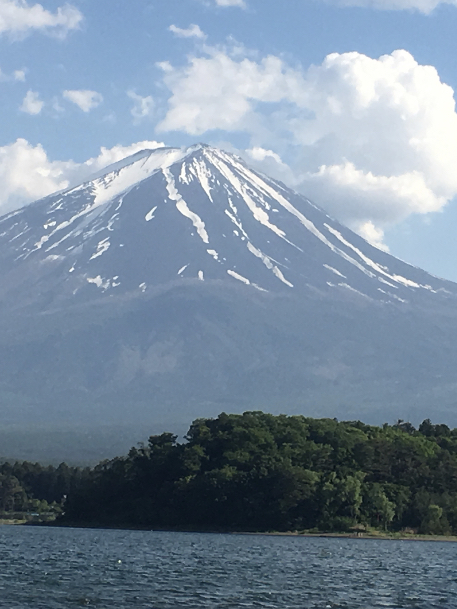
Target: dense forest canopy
[[262, 472]]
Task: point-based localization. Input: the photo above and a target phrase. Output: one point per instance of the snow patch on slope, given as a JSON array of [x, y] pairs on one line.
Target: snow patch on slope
[[251, 177], [203, 174], [376, 267], [268, 263], [102, 247], [239, 277], [330, 268], [123, 179], [99, 282], [259, 214], [150, 215], [182, 207]]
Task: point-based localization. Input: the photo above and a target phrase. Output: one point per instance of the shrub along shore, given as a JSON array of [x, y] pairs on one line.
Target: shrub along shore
[[258, 472]]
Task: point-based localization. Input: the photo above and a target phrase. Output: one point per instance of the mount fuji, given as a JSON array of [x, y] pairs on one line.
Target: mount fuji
[[178, 283]]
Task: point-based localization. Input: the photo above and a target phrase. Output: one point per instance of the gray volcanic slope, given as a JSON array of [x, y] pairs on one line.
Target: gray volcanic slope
[[180, 283]]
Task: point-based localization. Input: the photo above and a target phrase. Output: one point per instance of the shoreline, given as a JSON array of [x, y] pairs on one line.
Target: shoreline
[[366, 537], [377, 536]]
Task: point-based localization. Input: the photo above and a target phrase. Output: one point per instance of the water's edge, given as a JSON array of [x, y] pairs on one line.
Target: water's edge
[[379, 536]]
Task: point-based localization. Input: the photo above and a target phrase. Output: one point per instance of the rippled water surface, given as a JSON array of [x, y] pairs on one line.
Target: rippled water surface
[[56, 568]]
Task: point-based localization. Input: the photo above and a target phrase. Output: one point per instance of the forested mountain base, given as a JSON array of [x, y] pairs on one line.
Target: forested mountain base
[[259, 472]]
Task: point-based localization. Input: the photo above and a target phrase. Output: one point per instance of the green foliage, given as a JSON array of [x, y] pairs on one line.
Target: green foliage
[[257, 471], [260, 472], [32, 489]]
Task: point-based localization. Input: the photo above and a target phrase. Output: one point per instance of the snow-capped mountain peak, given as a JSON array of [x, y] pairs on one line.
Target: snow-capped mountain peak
[[200, 214]]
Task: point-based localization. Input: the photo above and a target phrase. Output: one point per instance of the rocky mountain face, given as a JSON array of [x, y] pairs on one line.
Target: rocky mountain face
[[180, 283]]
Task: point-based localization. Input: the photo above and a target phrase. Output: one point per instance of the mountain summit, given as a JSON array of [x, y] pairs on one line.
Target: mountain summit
[[180, 282], [168, 214]]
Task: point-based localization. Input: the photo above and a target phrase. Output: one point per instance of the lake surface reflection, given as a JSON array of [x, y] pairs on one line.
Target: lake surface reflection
[[57, 568]]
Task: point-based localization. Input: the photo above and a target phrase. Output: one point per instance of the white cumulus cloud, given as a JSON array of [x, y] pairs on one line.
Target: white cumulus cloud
[[219, 92], [193, 31], [84, 99], [32, 104], [27, 173], [18, 18], [370, 140]]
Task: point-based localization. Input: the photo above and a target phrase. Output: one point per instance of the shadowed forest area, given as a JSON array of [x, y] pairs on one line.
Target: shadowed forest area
[[258, 472], [34, 492]]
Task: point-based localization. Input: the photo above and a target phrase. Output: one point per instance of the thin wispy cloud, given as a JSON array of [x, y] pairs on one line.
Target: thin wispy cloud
[[85, 100], [193, 31], [143, 107], [240, 3], [423, 6]]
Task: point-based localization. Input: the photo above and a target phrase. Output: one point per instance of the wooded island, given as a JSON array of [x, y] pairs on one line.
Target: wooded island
[[258, 472]]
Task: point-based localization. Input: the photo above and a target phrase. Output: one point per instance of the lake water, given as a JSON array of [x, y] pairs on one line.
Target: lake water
[[57, 568]]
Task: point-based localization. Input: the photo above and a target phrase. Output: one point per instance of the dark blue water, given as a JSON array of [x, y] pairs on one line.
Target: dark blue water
[[57, 568]]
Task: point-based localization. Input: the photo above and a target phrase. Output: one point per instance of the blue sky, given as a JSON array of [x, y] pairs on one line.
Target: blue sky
[[351, 105]]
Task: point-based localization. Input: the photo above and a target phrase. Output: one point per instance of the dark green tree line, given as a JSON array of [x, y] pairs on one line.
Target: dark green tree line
[[260, 472], [33, 488]]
